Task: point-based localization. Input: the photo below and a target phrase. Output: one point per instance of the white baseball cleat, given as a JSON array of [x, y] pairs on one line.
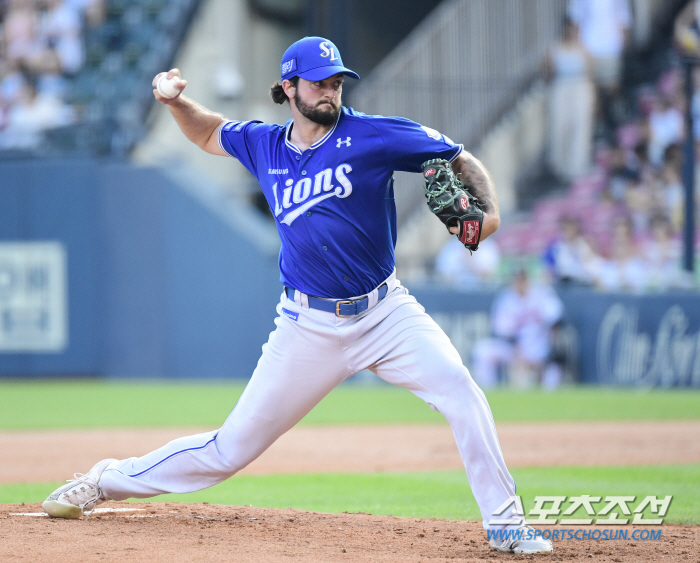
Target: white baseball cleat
[[527, 542], [80, 496]]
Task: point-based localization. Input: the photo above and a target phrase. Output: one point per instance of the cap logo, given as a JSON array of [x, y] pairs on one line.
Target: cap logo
[[289, 66], [327, 51]]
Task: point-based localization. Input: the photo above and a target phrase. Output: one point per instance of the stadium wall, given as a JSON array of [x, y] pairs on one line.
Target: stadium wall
[[156, 284], [612, 339]]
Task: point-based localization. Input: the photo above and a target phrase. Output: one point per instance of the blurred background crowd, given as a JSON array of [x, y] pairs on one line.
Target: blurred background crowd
[[71, 71], [41, 47], [615, 220]]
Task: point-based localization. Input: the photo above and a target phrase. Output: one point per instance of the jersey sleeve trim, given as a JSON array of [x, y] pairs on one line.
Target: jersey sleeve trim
[[221, 144], [459, 148]]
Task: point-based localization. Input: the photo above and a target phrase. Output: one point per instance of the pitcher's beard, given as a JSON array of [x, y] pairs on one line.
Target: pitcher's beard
[[317, 114]]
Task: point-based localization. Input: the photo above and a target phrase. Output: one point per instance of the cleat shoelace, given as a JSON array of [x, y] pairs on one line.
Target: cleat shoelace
[[86, 495]]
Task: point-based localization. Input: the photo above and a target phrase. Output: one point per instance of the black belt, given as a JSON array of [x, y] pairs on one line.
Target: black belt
[[341, 307]]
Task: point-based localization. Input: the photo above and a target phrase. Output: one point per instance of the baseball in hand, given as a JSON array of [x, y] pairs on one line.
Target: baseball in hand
[[166, 87]]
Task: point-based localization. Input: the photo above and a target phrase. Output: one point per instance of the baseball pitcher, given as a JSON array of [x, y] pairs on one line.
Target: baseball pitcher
[[327, 175]]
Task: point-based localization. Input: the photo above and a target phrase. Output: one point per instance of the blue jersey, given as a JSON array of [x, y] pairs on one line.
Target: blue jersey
[[334, 202]]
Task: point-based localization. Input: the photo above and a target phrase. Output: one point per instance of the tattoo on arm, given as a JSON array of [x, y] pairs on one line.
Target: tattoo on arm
[[475, 177]]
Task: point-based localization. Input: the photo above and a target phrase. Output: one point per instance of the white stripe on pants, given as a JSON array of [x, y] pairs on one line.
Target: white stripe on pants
[[301, 363]]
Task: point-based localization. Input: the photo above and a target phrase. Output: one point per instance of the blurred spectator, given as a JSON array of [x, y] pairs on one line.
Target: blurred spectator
[[62, 33], [571, 102], [31, 115], [662, 257], [665, 128], [624, 270], [626, 169], [570, 259], [522, 318], [40, 45], [457, 266], [639, 200], [26, 44], [686, 34], [93, 11], [20, 41], [641, 160], [670, 194], [604, 27]]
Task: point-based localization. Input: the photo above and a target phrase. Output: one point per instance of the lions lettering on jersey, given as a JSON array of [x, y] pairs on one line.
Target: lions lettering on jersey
[[334, 202], [301, 191]]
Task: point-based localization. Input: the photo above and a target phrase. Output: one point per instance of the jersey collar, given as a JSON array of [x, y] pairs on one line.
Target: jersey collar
[[288, 132]]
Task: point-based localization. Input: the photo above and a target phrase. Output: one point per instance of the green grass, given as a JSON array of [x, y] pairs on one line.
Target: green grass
[[106, 404], [443, 494]]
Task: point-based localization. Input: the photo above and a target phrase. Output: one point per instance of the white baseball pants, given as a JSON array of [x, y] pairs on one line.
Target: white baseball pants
[[301, 363]]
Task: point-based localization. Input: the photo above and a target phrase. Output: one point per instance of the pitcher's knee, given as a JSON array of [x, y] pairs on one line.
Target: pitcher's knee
[[235, 454], [457, 376], [457, 386]]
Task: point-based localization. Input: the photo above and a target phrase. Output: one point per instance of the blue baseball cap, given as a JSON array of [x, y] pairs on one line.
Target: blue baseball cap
[[313, 58]]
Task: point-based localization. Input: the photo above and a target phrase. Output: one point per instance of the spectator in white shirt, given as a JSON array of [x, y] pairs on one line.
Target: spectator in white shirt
[[665, 129], [31, 115], [604, 27], [570, 258], [662, 256], [571, 101], [625, 271]]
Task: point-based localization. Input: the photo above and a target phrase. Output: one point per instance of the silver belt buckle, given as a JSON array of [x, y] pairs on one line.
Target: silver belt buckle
[[337, 308]]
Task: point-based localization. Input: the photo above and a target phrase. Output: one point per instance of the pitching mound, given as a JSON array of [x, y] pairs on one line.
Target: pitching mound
[[206, 533]]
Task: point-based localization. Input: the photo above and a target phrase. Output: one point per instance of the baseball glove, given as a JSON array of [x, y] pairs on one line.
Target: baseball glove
[[452, 202]]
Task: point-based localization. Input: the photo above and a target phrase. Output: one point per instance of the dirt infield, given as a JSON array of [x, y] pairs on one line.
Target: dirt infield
[[53, 456], [177, 533]]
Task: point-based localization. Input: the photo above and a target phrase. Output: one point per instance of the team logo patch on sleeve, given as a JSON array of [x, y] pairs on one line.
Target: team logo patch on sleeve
[[235, 126], [431, 133], [291, 314], [470, 232]]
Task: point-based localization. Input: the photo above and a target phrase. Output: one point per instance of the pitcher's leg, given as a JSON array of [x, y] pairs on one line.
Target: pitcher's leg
[[424, 361], [294, 373]]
